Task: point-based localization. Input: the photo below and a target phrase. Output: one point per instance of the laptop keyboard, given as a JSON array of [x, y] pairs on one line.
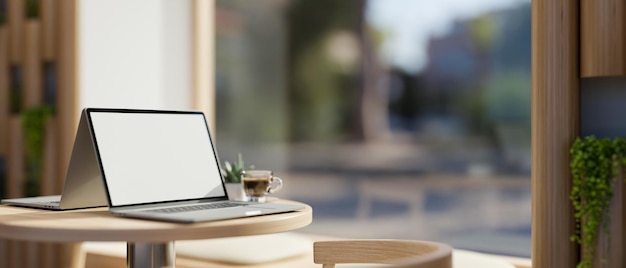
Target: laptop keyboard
[[196, 207]]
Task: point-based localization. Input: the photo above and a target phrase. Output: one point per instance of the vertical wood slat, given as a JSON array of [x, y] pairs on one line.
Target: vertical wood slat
[[48, 251], [4, 250], [603, 38], [15, 21], [48, 255], [4, 91], [49, 30], [4, 122], [67, 99], [49, 172], [15, 254], [555, 124], [66, 103], [15, 159], [32, 94], [31, 255]]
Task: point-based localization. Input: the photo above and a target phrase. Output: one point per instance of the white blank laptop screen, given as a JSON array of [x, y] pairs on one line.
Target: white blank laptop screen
[[155, 157]]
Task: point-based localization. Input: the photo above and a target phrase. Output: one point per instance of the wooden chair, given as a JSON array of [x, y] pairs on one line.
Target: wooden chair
[[399, 253]]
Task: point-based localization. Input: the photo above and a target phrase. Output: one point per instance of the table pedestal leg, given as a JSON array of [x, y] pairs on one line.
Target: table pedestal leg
[[150, 255]]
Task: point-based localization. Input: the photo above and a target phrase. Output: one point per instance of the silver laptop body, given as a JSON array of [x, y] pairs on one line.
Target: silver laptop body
[[162, 165], [83, 186]]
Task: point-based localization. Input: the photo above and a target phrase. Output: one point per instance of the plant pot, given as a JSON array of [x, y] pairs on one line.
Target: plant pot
[[235, 191], [609, 247]]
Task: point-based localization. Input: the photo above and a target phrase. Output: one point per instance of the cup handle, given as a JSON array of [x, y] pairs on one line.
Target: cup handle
[[276, 184]]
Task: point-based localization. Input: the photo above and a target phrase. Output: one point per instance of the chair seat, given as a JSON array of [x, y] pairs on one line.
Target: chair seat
[[398, 253], [113, 254], [247, 250]]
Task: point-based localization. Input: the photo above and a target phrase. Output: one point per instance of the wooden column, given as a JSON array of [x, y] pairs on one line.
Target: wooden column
[[203, 58], [67, 110], [555, 124], [602, 38], [67, 95]]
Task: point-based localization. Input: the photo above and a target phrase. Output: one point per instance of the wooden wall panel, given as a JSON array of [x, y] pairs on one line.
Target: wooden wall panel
[[4, 122], [603, 38], [15, 159], [67, 98], [4, 250], [4, 90], [27, 44], [31, 255], [555, 116], [15, 21], [49, 30], [67, 110], [48, 255], [32, 95], [16, 253], [49, 169]]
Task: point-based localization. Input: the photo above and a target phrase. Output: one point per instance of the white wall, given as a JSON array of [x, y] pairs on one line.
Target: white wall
[[135, 54]]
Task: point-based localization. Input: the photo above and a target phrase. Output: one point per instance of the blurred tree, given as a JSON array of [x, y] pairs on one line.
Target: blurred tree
[[251, 71], [323, 97]]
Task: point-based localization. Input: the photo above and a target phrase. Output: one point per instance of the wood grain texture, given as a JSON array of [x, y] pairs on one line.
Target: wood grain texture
[[99, 225], [603, 38], [4, 253], [31, 255], [555, 124], [15, 21], [27, 43], [400, 253], [4, 90], [15, 252], [49, 30], [67, 109], [49, 168], [33, 87], [15, 160], [48, 255]]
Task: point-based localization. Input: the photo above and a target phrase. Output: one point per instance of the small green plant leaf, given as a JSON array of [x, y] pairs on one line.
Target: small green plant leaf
[[595, 164], [232, 171]]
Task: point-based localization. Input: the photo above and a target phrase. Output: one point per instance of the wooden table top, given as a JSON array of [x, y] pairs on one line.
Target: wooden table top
[[97, 224]]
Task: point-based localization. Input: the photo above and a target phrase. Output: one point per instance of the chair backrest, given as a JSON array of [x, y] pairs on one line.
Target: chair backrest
[[399, 253]]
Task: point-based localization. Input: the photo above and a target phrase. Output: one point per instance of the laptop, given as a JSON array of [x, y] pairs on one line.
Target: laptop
[[83, 186], [162, 165]]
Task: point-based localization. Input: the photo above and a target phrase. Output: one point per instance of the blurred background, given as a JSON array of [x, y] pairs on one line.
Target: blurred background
[[391, 118]]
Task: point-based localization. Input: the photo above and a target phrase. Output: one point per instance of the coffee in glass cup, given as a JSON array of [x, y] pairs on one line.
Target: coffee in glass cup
[[258, 183]]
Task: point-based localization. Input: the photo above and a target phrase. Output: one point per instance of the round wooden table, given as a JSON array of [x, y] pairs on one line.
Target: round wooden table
[[149, 243]]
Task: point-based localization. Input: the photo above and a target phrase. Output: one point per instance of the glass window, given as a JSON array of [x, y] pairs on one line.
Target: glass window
[[392, 119]]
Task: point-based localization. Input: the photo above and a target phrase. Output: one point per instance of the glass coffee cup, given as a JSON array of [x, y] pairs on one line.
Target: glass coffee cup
[[257, 184]]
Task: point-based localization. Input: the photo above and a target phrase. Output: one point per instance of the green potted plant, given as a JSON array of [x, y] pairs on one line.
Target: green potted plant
[[34, 122], [231, 172], [596, 194], [32, 8]]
